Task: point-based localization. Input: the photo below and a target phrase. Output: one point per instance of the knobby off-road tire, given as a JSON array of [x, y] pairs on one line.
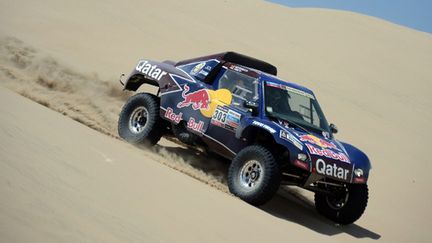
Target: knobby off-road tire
[[254, 175], [139, 121], [347, 208]]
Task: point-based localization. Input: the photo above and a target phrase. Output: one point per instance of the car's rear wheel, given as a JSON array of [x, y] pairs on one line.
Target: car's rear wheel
[[346, 205], [254, 175], [139, 120]]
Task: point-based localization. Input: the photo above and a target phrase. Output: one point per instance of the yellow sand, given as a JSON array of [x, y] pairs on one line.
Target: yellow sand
[[60, 181]]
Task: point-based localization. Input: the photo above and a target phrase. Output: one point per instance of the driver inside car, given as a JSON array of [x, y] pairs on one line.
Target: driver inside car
[[279, 103]]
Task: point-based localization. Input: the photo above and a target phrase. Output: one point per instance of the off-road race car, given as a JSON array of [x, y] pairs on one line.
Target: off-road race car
[[274, 131]]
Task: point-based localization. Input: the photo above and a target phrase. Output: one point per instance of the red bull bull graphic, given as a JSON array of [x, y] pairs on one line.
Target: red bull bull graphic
[[328, 153], [318, 141], [199, 99]]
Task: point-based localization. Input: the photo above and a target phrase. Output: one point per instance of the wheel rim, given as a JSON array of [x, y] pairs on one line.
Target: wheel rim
[[251, 174], [138, 120], [338, 202]]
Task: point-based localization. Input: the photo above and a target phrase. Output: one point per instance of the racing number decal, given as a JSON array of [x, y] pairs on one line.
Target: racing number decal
[[226, 118], [219, 116]]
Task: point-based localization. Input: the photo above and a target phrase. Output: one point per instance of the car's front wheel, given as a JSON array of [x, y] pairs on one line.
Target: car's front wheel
[[139, 120], [254, 175], [346, 205]]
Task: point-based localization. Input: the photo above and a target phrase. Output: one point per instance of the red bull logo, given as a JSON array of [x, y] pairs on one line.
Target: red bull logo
[[199, 99], [328, 153], [176, 118], [318, 141], [197, 126]]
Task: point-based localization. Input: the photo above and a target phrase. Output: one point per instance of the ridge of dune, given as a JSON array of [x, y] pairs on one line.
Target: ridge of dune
[[372, 79], [360, 17]]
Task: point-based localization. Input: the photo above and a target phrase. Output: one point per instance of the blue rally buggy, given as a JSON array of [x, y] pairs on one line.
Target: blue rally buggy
[[274, 131]]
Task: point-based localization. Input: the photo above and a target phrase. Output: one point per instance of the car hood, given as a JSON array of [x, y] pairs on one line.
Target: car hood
[[328, 157], [332, 158], [324, 147]]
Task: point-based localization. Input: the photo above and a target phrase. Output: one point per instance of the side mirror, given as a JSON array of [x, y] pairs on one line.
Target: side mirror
[[333, 128], [251, 105]]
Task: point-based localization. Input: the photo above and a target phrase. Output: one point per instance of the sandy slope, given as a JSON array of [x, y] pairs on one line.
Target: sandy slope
[[63, 182], [372, 79]]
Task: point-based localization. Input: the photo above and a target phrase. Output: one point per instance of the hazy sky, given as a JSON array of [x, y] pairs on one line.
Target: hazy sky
[[416, 14]]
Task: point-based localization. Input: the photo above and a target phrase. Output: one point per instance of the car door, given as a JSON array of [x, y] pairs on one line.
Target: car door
[[242, 85]]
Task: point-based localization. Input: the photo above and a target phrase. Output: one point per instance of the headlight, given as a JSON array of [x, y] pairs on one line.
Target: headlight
[[358, 172], [302, 157]]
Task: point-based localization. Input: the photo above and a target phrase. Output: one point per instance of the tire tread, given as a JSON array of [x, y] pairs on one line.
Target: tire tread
[[154, 132], [270, 183], [352, 211]]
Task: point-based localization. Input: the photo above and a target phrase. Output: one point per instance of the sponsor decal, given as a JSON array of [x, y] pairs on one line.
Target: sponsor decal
[[271, 84], [332, 170], [204, 73], [199, 99], [289, 137], [299, 92], [196, 126], [328, 153], [149, 70], [283, 123], [238, 69], [226, 118], [233, 119], [219, 116], [205, 100], [318, 141], [266, 127], [170, 115], [290, 89], [198, 68]]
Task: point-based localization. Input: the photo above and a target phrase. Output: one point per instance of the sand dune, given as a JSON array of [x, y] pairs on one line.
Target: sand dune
[[80, 186], [372, 79]]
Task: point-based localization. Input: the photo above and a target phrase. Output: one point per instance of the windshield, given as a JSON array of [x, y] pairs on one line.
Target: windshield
[[295, 106]]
